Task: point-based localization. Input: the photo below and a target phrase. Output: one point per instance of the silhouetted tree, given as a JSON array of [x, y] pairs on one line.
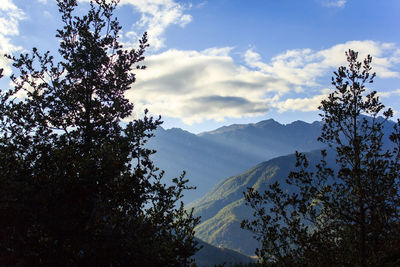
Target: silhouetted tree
[[345, 214], [77, 187]]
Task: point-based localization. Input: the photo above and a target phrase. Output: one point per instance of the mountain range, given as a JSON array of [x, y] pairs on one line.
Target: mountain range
[[211, 156]]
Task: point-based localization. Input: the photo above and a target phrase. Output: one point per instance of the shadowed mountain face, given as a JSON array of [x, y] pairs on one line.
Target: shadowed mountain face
[[227, 151]]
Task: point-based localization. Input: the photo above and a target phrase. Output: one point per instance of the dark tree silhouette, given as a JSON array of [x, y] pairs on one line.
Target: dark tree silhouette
[[343, 214], [77, 187]]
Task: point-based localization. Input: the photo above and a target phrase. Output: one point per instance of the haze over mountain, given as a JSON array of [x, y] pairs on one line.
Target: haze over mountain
[[210, 156]]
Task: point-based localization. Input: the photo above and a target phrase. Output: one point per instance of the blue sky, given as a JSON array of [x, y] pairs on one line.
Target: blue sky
[[219, 62]]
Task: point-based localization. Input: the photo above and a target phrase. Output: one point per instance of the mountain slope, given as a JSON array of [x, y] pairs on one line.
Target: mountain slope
[[223, 209]]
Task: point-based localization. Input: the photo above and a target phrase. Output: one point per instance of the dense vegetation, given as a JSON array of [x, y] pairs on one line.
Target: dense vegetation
[[77, 188], [345, 215]]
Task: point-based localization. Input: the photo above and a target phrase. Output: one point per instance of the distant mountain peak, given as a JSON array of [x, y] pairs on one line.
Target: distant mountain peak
[[298, 122], [235, 127], [224, 129], [265, 123]]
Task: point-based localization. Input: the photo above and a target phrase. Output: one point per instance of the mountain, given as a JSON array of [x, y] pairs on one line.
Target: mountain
[[210, 256], [227, 151], [268, 139], [222, 209], [211, 156]]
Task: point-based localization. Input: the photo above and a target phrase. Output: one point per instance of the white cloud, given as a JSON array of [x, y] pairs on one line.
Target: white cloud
[[312, 103], [389, 93], [209, 84], [10, 16], [334, 3], [301, 104], [156, 17], [303, 67], [194, 86]]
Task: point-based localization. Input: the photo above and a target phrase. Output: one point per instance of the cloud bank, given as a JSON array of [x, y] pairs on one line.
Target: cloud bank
[[198, 85], [210, 85]]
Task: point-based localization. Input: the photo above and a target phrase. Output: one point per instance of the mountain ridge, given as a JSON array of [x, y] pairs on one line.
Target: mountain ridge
[[259, 124], [209, 157]]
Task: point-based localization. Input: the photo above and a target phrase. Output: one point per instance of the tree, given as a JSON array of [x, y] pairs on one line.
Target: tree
[[76, 186], [344, 211]]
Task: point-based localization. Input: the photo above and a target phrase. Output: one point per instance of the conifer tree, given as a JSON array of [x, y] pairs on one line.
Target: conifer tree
[[344, 211], [77, 187]]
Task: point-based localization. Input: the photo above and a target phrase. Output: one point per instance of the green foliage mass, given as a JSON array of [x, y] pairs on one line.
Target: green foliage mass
[[77, 188]]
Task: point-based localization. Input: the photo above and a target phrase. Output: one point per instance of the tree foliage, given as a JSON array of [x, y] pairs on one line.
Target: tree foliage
[[342, 212], [77, 187]]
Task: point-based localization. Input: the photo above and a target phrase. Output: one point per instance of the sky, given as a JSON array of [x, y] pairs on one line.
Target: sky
[[220, 62]]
